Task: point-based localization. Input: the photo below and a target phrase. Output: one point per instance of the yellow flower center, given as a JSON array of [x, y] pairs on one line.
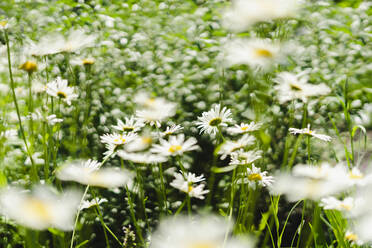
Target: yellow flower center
[[38, 208], [255, 177], [215, 122], [147, 140], [295, 87], [244, 128], [260, 52], [3, 23], [355, 176], [174, 148], [345, 206], [88, 61], [351, 237], [29, 66], [190, 188], [61, 94]]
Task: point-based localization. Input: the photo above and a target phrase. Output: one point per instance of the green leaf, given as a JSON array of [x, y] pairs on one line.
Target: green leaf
[[223, 169], [82, 243]]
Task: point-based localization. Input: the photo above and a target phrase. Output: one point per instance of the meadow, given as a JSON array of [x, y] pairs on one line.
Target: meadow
[[185, 123]]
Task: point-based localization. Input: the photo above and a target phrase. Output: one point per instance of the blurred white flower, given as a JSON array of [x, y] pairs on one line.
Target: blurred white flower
[[36, 158], [290, 87], [259, 54], [210, 121], [57, 43], [176, 145], [117, 139], [230, 146], [244, 13], [244, 128], [310, 182], [40, 209], [58, 88], [88, 173], [312, 133], [195, 232], [187, 183], [331, 202], [142, 157]]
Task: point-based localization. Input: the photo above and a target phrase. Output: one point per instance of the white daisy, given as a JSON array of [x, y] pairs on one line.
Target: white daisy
[[290, 87], [117, 139], [244, 13], [307, 131], [141, 143], [195, 232], [88, 173], [4, 24], [258, 54], [171, 130], [244, 128], [131, 125], [175, 146], [154, 116], [353, 238], [96, 201], [58, 88], [243, 158], [231, 146], [187, 183], [331, 202], [40, 209], [142, 158], [255, 176], [210, 121]]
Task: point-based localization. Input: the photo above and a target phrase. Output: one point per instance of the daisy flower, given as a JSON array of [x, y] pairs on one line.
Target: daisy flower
[[290, 87], [307, 131], [195, 232], [331, 202], [353, 238], [140, 143], [244, 13], [29, 66], [58, 88], [117, 139], [244, 128], [255, 176], [154, 116], [131, 125], [231, 146], [210, 121], [113, 141], [171, 130], [187, 183], [243, 158], [175, 146], [88, 173], [96, 201], [4, 24], [142, 157], [256, 53], [41, 208]]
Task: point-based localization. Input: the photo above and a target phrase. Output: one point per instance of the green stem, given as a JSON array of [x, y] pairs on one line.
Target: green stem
[[132, 213], [34, 175]]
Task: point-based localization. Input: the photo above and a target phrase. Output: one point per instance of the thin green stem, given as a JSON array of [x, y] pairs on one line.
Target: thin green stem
[[35, 177]]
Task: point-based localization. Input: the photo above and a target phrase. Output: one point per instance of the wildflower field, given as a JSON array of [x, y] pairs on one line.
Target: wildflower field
[[185, 123]]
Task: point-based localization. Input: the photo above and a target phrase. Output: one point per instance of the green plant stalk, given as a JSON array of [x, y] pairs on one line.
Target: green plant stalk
[[232, 194], [105, 227], [133, 215], [79, 210], [162, 185], [30, 106], [34, 175]]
